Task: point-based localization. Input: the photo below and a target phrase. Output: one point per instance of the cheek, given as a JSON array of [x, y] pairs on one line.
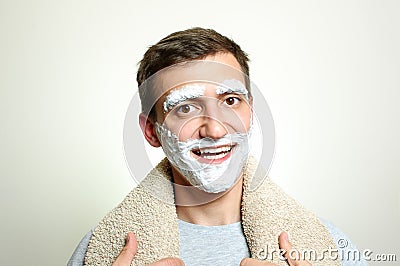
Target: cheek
[[187, 131], [242, 120], [247, 119], [184, 130]]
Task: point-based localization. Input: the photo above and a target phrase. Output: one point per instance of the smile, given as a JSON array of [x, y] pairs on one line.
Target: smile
[[214, 153]]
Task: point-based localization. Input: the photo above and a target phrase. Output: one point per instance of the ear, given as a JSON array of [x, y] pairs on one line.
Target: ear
[[148, 129]]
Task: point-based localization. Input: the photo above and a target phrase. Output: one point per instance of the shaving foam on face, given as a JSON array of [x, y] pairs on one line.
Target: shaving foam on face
[[187, 92], [232, 86], [211, 178]]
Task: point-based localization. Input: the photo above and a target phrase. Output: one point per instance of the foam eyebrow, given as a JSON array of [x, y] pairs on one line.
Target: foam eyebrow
[[182, 94], [232, 86]]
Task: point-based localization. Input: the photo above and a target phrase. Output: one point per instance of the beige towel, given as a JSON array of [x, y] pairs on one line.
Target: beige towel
[[266, 212]]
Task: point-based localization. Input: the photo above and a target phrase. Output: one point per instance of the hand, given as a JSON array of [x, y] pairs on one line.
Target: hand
[[129, 251], [285, 245]]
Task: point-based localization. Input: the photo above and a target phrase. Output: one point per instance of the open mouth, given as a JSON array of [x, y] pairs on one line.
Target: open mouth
[[214, 153]]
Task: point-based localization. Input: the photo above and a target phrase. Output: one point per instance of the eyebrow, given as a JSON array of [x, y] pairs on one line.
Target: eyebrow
[[177, 96], [232, 86]]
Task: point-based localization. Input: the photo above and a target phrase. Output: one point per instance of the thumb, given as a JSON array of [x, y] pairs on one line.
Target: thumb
[[285, 245], [293, 258], [128, 252], [284, 242]]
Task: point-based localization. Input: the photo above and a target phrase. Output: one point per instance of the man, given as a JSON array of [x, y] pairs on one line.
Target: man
[[198, 207]]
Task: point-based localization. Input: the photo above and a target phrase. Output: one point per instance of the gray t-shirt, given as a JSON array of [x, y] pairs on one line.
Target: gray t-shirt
[[219, 245], [212, 245]]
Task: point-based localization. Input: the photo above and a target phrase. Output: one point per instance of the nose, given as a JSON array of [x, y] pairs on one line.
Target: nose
[[212, 128]]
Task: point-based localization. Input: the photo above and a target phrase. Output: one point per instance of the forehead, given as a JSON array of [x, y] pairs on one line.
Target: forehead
[[196, 72]]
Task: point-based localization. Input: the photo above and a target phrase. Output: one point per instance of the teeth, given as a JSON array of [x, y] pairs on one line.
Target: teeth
[[214, 157], [215, 150], [213, 153]]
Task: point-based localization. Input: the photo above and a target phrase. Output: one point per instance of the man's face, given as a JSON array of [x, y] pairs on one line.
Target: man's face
[[203, 125], [214, 113]]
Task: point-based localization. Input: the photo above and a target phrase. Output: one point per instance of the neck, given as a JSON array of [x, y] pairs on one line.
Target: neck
[[199, 207]]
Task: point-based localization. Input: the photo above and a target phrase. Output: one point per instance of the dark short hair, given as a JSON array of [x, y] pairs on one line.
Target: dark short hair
[[181, 46]]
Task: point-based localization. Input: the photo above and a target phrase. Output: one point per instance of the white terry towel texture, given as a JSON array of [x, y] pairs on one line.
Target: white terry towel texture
[[266, 212]]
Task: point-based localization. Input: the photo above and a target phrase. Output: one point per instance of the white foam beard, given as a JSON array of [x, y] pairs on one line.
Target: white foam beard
[[211, 178]]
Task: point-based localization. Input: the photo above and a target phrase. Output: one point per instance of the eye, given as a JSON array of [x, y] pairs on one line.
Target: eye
[[232, 101], [185, 109]]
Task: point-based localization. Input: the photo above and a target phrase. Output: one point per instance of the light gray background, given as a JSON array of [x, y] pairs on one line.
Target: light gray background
[[328, 69]]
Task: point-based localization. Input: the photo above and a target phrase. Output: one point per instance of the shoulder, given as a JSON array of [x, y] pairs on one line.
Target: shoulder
[[346, 250], [78, 257]]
